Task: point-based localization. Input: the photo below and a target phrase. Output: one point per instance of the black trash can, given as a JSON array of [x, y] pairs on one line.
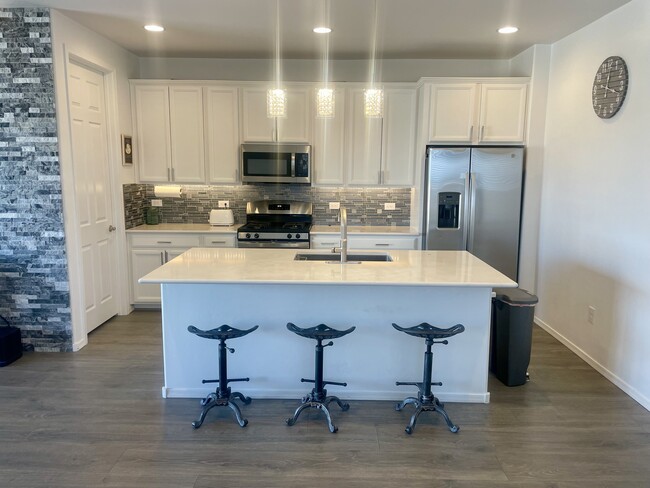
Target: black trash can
[[513, 310]]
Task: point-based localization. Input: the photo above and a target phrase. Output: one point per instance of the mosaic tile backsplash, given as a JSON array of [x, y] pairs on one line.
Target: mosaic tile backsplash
[[365, 205], [34, 288]]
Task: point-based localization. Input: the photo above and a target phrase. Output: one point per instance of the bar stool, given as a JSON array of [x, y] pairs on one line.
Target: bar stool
[[426, 401], [223, 396], [318, 397]]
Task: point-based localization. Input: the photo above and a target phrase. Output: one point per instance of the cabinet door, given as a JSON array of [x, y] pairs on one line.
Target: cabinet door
[[364, 145], [222, 134], [503, 112], [397, 166], [144, 261], [325, 241], [329, 150], [296, 126], [452, 113], [152, 139], [219, 240], [186, 121], [256, 126], [383, 242]]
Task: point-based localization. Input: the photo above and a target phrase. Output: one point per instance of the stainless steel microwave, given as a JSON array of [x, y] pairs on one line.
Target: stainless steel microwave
[[276, 163]]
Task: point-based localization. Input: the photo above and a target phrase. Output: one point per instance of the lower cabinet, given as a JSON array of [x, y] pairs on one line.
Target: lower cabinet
[[150, 251], [377, 242]]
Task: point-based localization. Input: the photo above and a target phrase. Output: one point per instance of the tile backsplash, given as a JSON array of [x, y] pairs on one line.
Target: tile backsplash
[[365, 205]]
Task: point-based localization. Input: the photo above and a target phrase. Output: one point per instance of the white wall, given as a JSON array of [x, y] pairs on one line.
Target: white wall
[[594, 246], [388, 70], [71, 39]]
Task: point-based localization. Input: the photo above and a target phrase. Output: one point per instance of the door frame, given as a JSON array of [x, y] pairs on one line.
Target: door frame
[[72, 234]]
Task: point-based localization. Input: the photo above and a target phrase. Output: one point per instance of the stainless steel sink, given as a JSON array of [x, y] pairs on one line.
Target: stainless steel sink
[[336, 258]]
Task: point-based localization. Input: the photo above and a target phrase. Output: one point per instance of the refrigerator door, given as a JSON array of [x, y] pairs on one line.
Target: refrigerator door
[[495, 202], [446, 205]]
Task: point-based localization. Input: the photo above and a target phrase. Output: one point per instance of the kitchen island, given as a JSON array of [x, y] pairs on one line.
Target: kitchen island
[[267, 287]]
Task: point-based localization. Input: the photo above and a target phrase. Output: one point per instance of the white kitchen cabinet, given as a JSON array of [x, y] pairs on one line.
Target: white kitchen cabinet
[[381, 150], [328, 153], [169, 133], [477, 113], [222, 133], [219, 240], [257, 127], [150, 251], [359, 241]]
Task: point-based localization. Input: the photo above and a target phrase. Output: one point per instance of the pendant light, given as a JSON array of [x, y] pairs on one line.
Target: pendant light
[[276, 98], [373, 96]]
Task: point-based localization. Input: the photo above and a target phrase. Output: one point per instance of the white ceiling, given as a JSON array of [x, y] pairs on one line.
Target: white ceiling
[[428, 29]]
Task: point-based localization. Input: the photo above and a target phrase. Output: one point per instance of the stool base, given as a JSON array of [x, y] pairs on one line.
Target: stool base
[[217, 400], [321, 402], [425, 404]]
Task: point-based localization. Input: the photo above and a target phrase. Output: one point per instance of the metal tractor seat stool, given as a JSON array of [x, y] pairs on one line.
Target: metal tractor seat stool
[[223, 396], [426, 401], [318, 397]]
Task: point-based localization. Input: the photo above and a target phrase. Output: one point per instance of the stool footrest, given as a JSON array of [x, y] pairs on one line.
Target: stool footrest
[[338, 383], [408, 383], [227, 381]]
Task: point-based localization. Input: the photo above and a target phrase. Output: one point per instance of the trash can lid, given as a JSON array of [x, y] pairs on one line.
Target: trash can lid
[[515, 296]]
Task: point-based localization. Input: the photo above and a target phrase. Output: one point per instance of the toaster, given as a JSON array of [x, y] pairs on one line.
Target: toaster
[[222, 216]]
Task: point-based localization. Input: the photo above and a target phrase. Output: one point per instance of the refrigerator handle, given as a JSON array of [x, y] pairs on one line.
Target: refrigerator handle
[[465, 210], [472, 212]]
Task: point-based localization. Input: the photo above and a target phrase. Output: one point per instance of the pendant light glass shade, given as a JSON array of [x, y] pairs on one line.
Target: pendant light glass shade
[[276, 103], [373, 102], [325, 103]]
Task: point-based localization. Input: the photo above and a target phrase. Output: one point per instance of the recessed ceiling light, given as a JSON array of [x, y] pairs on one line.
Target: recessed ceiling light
[[154, 28], [508, 30], [322, 30]]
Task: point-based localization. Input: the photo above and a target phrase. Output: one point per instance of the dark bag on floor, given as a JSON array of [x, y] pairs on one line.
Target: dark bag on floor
[[11, 347]]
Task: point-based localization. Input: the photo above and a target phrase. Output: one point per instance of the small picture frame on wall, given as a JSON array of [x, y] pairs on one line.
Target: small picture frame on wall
[[127, 150]]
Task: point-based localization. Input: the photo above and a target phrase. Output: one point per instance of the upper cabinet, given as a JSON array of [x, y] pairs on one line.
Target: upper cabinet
[[186, 133], [222, 133], [257, 127], [477, 113], [328, 151], [169, 133], [381, 150]]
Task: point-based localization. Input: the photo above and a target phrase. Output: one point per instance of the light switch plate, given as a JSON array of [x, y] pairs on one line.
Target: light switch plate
[[335, 205], [156, 202], [389, 206], [224, 204]]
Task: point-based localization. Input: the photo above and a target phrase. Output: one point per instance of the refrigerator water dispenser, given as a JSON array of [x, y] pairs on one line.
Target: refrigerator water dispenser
[[448, 210]]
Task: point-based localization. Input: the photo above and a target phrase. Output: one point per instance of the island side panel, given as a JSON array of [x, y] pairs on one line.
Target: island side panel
[[370, 359]]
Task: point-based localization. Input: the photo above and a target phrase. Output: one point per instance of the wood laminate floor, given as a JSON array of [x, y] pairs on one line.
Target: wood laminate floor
[[96, 418]]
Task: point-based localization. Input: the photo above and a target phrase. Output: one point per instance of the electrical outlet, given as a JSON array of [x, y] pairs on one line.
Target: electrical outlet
[[335, 205], [224, 204], [389, 206], [379, 211], [591, 314], [156, 202]]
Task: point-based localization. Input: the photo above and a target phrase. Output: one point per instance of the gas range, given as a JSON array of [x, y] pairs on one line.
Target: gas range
[[275, 223]]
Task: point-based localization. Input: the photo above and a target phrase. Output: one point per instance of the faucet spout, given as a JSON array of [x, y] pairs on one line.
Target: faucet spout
[[344, 235]]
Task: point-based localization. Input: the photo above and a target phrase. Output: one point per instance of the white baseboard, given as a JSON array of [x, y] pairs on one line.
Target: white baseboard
[[296, 394], [77, 345], [622, 384]]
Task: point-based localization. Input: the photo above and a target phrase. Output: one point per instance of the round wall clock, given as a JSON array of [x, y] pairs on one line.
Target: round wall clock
[[610, 87]]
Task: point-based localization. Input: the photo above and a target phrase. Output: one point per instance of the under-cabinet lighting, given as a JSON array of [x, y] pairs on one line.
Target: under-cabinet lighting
[[276, 103]]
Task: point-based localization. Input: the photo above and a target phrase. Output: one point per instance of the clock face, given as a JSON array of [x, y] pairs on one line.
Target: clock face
[[610, 87]]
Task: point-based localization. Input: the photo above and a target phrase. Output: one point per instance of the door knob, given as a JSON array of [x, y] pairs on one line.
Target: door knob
[[112, 228]]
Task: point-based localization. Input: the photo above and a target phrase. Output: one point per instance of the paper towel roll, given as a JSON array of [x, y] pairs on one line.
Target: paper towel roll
[[167, 191]]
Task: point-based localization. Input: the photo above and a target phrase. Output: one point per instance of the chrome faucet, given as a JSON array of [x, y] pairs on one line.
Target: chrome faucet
[[343, 215]]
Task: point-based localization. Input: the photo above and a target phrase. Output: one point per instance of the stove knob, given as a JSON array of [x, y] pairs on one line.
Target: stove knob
[[297, 236], [248, 236], [256, 236], [288, 236]]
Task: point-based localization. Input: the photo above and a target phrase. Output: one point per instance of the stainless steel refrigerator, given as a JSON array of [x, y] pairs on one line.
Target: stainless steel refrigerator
[[473, 202]]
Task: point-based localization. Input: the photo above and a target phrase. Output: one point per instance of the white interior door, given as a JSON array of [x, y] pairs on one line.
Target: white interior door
[[93, 193]]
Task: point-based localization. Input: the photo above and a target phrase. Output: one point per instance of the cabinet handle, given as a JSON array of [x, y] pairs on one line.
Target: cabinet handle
[[218, 242], [166, 256], [329, 243], [162, 259], [164, 242], [471, 133], [382, 244], [482, 132], [173, 175], [169, 175]]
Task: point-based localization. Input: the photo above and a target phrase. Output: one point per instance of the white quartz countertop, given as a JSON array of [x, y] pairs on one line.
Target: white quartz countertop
[[366, 229], [277, 266], [186, 228]]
